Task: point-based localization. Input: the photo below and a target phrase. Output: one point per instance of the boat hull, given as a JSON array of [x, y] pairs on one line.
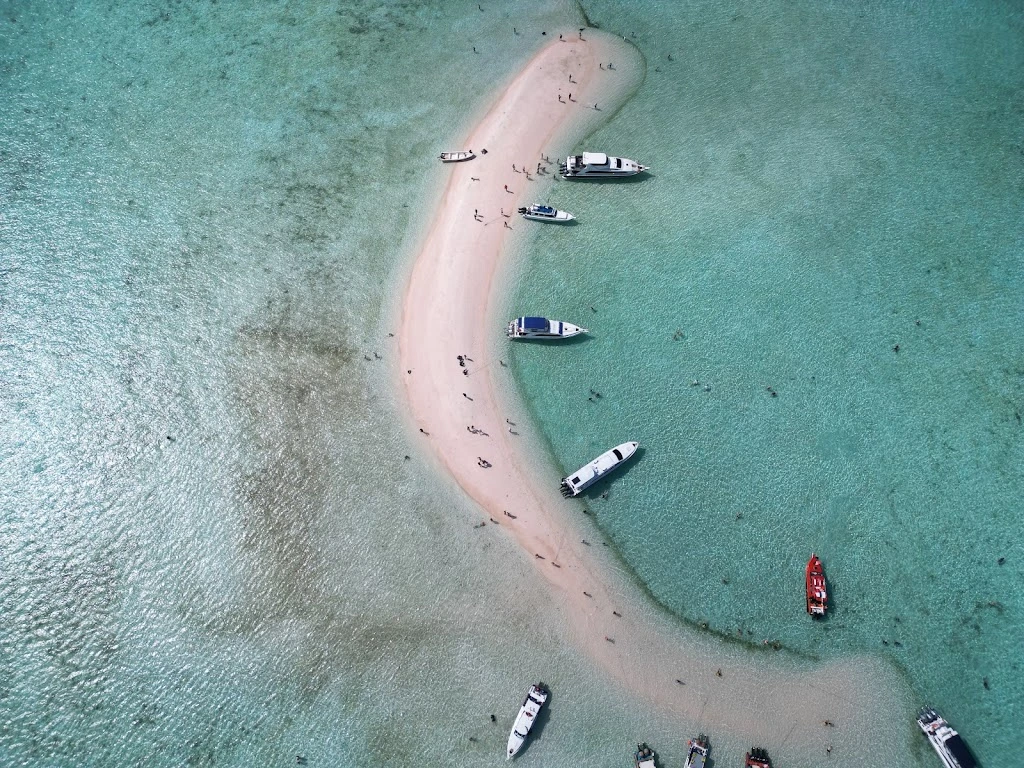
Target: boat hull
[[644, 757], [696, 752], [597, 165], [595, 175], [555, 329], [947, 743], [535, 699], [456, 157], [609, 461], [564, 218], [817, 591], [546, 213]]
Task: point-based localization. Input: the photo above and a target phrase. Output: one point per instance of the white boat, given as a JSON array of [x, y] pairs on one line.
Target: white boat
[[542, 328], [457, 157], [545, 213], [535, 699], [587, 475], [598, 165], [947, 743], [696, 752], [644, 756]]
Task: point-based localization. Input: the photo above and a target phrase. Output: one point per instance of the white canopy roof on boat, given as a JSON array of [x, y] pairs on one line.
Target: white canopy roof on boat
[[595, 158]]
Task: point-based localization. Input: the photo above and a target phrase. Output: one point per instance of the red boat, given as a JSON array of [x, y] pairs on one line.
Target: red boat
[[817, 593], [757, 758]]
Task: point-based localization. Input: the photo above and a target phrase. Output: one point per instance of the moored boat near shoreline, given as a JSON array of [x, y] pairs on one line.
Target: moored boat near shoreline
[[598, 165], [817, 591], [542, 328], [457, 157], [757, 758], [590, 473], [538, 212], [948, 744], [644, 756], [536, 697], [696, 752]]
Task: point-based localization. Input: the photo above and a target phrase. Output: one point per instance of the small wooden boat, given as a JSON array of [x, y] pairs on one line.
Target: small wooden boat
[[757, 758], [545, 213], [817, 593], [457, 157]]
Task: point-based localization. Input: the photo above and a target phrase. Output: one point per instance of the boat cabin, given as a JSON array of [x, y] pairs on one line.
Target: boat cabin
[[595, 160], [534, 324]]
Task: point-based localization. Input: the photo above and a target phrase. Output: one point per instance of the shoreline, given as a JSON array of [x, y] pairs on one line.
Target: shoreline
[[450, 306]]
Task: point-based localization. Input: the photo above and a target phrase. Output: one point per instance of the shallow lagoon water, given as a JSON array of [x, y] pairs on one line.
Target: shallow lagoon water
[[214, 550], [809, 315]]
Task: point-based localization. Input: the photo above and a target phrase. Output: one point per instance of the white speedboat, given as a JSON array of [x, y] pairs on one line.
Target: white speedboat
[[545, 213], [952, 750], [457, 157], [696, 752], [536, 697], [587, 475], [644, 756], [598, 165], [542, 328]]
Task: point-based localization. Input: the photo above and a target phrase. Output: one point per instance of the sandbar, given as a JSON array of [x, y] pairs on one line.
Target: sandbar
[[447, 310]]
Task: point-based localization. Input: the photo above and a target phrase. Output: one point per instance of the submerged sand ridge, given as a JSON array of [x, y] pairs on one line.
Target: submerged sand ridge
[[447, 311]]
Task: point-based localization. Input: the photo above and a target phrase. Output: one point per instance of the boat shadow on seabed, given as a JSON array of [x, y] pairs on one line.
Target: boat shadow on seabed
[[638, 178]]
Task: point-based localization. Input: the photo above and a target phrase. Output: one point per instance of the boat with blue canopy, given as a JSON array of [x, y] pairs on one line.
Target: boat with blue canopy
[[542, 328]]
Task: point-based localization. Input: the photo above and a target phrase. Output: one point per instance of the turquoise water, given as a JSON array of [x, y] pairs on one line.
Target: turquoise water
[[834, 214], [214, 552]]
